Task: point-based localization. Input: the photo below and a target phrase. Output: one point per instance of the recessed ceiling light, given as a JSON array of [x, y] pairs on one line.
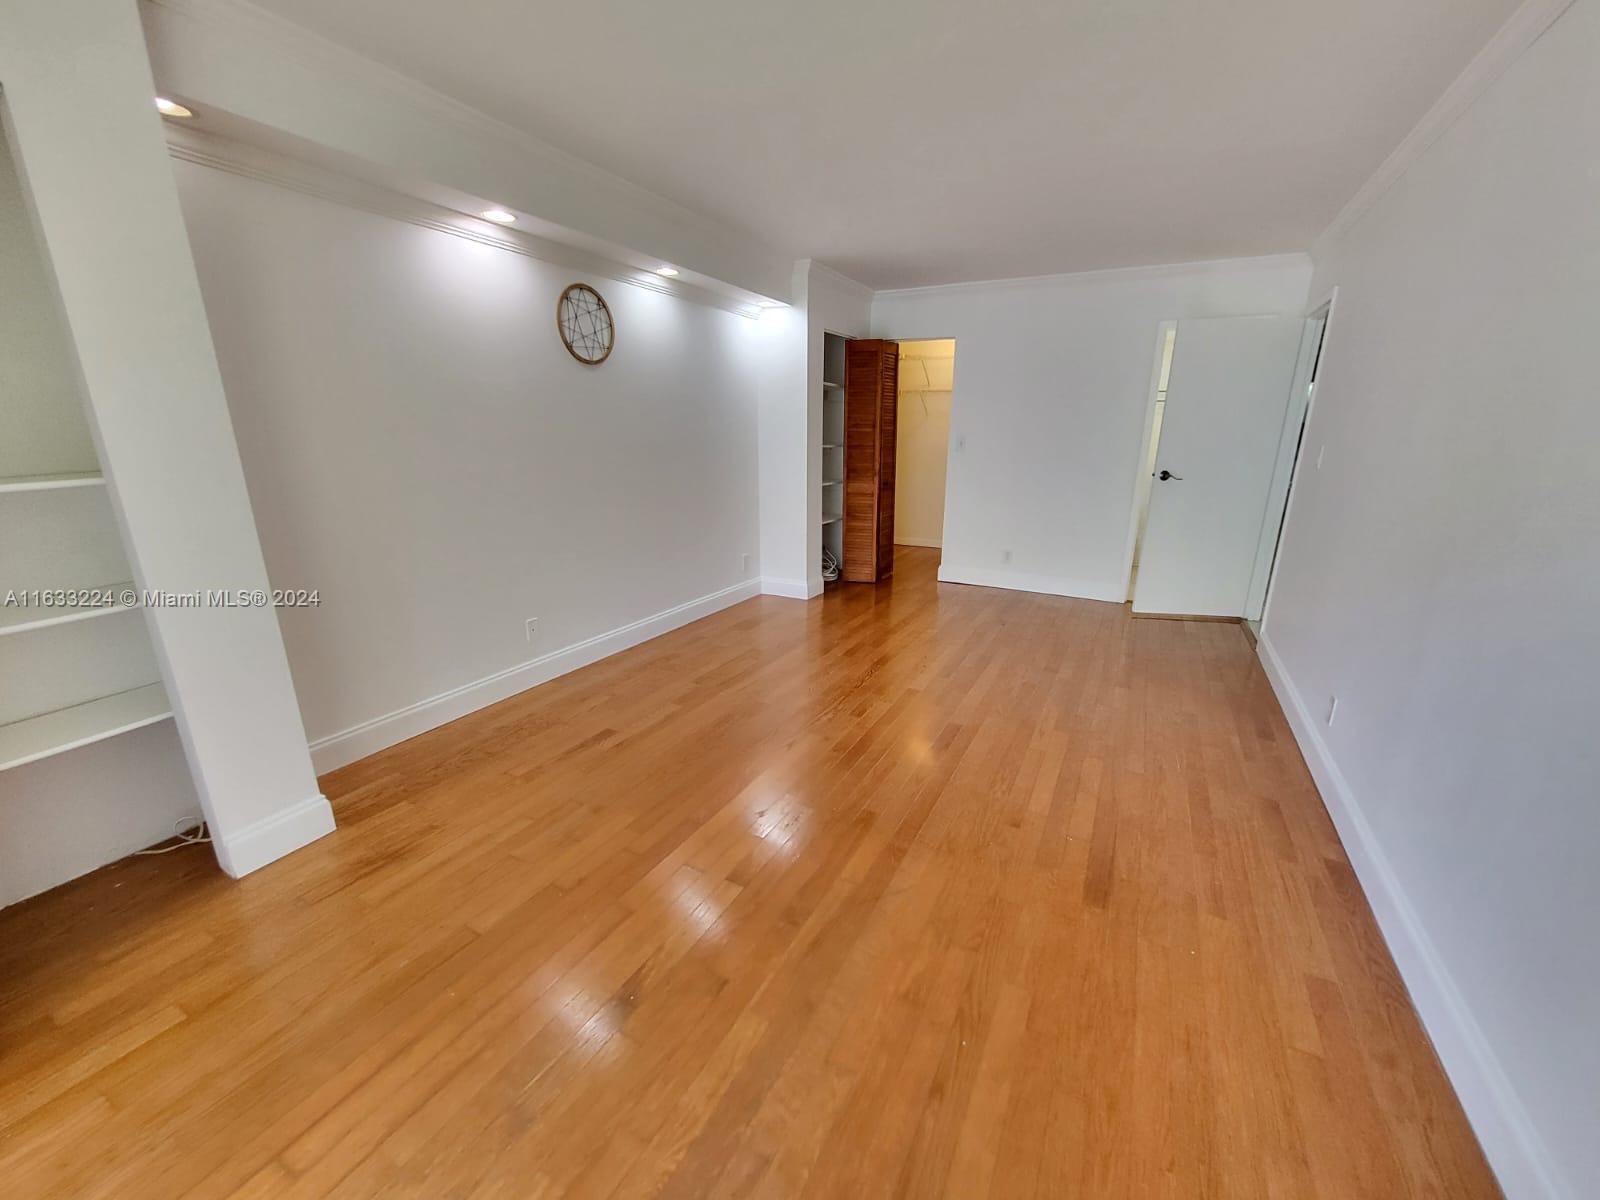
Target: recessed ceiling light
[[669, 272], [171, 108], [499, 216]]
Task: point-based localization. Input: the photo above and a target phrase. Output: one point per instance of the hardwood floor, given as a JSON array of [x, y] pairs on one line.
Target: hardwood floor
[[919, 890]]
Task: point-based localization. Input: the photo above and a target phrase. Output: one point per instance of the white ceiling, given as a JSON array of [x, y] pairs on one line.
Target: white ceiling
[[910, 142]]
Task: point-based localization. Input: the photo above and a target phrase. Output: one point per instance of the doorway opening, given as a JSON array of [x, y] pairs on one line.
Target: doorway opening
[[922, 441], [1167, 340], [1292, 442]]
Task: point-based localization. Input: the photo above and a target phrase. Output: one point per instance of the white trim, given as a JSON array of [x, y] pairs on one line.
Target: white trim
[[1286, 463], [268, 166], [792, 589], [1019, 581], [1506, 1132], [358, 741], [195, 43], [1140, 487], [839, 281], [1328, 306], [1110, 274], [269, 839], [309, 49], [1525, 27], [929, 543]]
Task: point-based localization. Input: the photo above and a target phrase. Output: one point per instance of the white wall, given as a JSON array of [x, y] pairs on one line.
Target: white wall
[[1050, 408], [421, 448], [1439, 575], [922, 441], [784, 460]]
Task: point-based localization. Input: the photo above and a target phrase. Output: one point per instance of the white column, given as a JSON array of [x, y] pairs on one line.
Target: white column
[[784, 444]]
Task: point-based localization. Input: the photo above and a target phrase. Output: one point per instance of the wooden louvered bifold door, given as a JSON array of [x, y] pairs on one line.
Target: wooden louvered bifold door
[[872, 371], [888, 407]]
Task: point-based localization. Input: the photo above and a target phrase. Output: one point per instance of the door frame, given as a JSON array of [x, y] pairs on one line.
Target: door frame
[[950, 441], [1291, 435], [1328, 306], [1142, 478]]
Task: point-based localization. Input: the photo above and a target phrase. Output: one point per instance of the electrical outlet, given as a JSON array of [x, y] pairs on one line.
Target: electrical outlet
[[1333, 708], [1005, 556], [531, 627], [1323, 449], [744, 566]]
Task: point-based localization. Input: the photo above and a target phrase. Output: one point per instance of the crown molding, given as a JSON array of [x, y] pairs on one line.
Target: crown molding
[[823, 273], [1107, 275], [235, 58], [268, 166], [313, 50], [1525, 27]]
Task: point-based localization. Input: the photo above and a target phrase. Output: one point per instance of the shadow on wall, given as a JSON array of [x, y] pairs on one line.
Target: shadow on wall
[[922, 441]]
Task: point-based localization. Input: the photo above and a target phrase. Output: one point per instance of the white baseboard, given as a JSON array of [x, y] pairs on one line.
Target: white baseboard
[[929, 543], [793, 589], [1504, 1129], [270, 838], [338, 749], [1019, 581]]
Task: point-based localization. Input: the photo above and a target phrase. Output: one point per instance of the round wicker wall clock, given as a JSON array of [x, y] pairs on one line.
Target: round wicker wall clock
[[585, 324]]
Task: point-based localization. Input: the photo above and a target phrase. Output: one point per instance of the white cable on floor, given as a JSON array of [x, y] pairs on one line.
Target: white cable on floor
[[197, 836], [830, 566]]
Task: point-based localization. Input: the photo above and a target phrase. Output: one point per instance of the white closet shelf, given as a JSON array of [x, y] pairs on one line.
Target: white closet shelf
[[827, 520], [833, 483], [24, 620], [833, 445], [47, 483], [828, 383], [68, 728]]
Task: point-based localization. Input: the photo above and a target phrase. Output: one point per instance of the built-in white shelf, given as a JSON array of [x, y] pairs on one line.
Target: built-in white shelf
[[68, 728], [25, 620], [47, 483], [834, 371]]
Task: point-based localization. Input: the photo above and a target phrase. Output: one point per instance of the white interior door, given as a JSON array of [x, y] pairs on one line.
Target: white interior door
[[1294, 422], [1229, 390]]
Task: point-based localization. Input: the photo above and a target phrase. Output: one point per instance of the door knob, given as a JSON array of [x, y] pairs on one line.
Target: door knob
[[1166, 475]]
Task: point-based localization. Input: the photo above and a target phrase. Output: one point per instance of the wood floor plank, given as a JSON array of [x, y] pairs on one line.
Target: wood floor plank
[[919, 890]]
